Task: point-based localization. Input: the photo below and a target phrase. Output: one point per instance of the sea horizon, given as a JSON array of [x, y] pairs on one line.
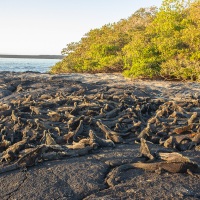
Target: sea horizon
[[42, 65], [35, 56]]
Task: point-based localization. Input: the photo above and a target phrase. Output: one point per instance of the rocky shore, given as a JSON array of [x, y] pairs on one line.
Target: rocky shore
[[98, 136]]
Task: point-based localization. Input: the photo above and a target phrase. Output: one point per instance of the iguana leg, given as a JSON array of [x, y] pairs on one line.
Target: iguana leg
[[159, 171]]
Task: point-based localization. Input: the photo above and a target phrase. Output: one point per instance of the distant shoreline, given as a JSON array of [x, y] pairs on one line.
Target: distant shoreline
[[33, 56]]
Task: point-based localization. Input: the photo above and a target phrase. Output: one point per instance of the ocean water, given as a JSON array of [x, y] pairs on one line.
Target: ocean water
[[26, 64]]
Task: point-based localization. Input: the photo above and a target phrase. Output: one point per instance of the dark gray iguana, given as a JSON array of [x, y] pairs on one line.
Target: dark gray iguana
[[41, 153], [170, 162], [29, 159]]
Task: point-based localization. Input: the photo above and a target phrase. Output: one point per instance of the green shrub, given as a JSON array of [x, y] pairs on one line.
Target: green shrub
[[151, 43], [181, 69]]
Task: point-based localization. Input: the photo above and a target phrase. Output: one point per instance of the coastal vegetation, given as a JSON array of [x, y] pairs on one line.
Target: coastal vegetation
[[152, 43]]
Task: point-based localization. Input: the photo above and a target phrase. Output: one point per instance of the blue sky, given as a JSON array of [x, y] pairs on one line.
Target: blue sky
[[46, 26]]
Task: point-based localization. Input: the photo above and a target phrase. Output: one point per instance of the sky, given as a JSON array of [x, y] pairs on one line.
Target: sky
[[44, 27]]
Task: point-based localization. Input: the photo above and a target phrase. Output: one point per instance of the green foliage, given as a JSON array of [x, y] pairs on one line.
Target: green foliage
[[151, 43], [181, 70], [141, 59]]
